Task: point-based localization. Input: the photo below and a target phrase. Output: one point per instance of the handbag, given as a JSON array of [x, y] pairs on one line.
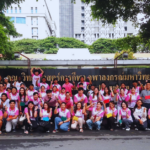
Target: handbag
[[75, 118], [45, 119], [22, 118], [109, 115], [43, 123], [22, 103], [63, 118]]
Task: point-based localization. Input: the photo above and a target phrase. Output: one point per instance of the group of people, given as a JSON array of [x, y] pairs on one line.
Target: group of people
[[42, 104]]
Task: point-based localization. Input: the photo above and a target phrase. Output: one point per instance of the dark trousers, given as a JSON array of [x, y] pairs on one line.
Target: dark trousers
[[109, 123], [45, 128], [132, 111], [53, 115], [27, 125], [140, 126], [148, 121], [147, 106]]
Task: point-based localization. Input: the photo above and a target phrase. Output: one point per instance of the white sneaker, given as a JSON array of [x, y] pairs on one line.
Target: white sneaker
[[148, 129], [127, 129], [136, 129]]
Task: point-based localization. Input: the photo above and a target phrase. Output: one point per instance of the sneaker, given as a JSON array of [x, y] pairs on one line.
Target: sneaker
[[97, 129], [127, 129], [55, 131], [148, 129], [123, 128], [14, 130], [48, 131], [136, 129]]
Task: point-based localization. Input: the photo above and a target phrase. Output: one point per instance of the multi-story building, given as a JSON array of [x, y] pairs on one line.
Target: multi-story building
[[66, 21], [32, 19], [88, 30]]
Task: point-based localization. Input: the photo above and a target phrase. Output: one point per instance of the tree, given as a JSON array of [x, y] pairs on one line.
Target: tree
[[103, 46], [130, 55], [109, 11]]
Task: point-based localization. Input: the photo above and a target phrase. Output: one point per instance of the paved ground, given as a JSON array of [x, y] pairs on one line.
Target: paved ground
[[73, 140]]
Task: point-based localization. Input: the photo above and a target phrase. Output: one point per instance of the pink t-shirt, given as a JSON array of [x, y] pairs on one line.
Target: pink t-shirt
[[110, 111], [68, 87], [79, 113], [30, 115], [69, 103], [135, 97], [106, 99], [65, 113], [12, 112], [137, 90], [149, 112], [44, 84], [34, 79], [30, 93], [3, 92], [35, 102], [97, 113], [120, 99], [1, 113], [85, 84], [94, 100], [123, 113], [58, 86], [62, 97], [77, 98]]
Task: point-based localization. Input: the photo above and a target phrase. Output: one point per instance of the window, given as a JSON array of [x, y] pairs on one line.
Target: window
[[125, 28], [20, 20], [31, 10], [110, 35], [32, 31], [12, 19], [83, 35], [37, 31], [36, 10], [31, 21], [82, 15], [82, 22], [20, 10], [82, 29], [82, 9], [97, 35], [11, 10], [7, 11], [37, 21], [16, 10]]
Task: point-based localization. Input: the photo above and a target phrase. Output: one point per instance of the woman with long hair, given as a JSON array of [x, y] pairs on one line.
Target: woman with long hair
[[78, 117], [45, 114], [31, 114], [140, 115]]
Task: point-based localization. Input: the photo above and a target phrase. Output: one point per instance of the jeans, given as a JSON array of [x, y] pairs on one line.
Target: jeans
[[126, 122], [140, 126], [63, 127], [91, 124]]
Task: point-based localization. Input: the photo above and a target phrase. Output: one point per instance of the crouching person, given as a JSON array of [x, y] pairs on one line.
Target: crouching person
[[31, 114], [78, 117], [97, 115], [1, 121], [11, 113], [63, 121], [45, 114]]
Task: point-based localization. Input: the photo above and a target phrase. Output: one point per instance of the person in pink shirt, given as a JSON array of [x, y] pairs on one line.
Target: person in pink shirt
[[85, 84], [42, 93], [103, 85], [107, 96], [11, 114], [132, 98], [36, 75], [55, 83], [97, 115], [1, 121], [2, 89], [69, 86], [36, 100], [30, 91], [148, 120], [55, 93], [62, 96], [125, 117], [110, 116], [31, 114], [80, 97], [43, 83], [94, 97], [14, 96], [124, 87], [78, 117], [63, 119]]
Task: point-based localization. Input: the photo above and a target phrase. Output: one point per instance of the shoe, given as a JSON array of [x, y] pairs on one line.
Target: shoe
[[136, 129], [55, 131], [123, 128], [14, 130], [127, 129], [97, 129], [23, 128], [48, 131], [148, 129]]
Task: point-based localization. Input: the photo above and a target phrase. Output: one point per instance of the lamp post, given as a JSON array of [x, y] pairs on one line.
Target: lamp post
[[17, 55], [125, 55]]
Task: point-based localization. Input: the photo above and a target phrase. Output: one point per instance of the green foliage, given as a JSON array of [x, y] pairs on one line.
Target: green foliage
[[130, 54], [103, 46]]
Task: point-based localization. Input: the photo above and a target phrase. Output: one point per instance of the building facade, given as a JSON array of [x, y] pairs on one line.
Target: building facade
[[88, 30], [66, 21], [32, 19]]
